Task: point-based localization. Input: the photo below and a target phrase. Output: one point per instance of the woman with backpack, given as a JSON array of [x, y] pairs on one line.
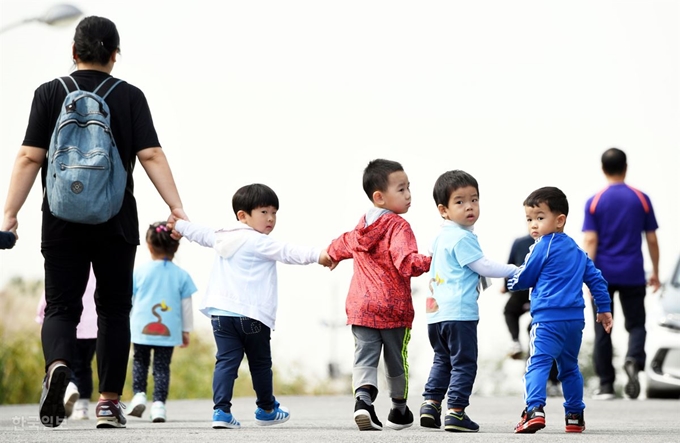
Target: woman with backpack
[[70, 247]]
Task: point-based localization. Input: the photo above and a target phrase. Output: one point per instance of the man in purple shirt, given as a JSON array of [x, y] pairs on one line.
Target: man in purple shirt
[[615, 220]]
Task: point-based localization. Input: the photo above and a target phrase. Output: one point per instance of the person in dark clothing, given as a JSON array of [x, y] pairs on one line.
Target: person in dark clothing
[[616, 220], [69, 249]]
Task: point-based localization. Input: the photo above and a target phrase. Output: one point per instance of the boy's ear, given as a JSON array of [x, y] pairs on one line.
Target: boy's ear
[[241, 215], [442, 210], [561, 221], [378, 198]]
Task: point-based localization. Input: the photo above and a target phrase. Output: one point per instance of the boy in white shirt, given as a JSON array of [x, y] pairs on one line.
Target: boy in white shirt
[[241, 298]]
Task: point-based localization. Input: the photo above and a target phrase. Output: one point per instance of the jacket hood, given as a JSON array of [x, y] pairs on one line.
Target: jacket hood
[[230, 240], [367, 237]]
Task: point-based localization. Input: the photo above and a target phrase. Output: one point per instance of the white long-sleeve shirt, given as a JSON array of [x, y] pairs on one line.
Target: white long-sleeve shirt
[[243, 279]]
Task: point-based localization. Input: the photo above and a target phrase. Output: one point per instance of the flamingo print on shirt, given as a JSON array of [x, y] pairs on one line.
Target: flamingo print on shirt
[[157, 327]]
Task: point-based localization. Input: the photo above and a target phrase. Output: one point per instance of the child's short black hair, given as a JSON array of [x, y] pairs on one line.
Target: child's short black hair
[[449, 182], [254, 196], [552, 197], [158, 237], [377, 173]]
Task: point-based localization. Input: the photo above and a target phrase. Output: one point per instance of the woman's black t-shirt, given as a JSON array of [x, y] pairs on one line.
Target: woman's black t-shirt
[[133, 130]]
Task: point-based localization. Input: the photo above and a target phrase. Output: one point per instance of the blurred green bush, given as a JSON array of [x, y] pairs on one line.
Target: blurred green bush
[[191, 370], [22, 362]]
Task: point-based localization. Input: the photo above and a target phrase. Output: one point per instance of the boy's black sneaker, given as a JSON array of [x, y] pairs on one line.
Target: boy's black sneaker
[[397, 420], [365, 418], [632, 388], [574, 422], [532, 420], [459, 422], [430, 415]]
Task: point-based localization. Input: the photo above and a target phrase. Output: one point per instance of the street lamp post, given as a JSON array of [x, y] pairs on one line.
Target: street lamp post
[[55, 16]]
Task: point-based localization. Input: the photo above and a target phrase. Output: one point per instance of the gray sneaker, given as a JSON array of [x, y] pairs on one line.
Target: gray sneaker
[[52, 410], [110, 414]]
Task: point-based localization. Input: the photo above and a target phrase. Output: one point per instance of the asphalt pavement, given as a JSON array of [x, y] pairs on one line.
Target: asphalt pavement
[[329, 419]]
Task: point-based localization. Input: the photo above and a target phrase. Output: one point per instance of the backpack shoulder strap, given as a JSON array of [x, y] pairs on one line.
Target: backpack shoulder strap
[[106, 87], [69, 83]]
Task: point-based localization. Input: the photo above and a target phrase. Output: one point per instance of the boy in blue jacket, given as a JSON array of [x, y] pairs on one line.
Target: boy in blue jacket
[[555, 270]]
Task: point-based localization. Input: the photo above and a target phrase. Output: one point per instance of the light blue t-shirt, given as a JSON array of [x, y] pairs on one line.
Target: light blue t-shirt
[[455, 285], [157, 292]]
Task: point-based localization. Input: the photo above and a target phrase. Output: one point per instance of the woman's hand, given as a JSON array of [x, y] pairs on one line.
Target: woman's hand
[[176, 214]]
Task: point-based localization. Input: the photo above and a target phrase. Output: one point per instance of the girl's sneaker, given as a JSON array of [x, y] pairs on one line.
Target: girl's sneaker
[[137, 405], [158, 414], [80, 410], [71, 396], [278, 415]]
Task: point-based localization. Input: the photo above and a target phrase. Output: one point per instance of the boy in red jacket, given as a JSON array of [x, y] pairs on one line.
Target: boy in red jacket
[[379, 305]]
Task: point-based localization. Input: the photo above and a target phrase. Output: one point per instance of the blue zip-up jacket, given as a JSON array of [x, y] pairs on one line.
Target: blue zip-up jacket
[[555, 270]]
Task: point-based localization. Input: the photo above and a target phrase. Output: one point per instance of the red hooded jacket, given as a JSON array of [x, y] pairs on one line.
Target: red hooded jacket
[[385, 257]]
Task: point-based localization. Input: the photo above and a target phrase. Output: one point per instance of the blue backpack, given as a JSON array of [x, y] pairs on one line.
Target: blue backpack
[[86, 178]]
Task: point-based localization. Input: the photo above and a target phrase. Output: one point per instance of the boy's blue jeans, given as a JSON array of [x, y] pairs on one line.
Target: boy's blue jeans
[[559, 341], [234, 337], [454, 367]]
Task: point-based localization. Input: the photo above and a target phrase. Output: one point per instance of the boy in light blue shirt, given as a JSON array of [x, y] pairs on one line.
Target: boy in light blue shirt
[[457, 271]]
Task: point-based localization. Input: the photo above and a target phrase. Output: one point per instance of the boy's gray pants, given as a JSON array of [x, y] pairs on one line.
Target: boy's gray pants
[[368, 344]]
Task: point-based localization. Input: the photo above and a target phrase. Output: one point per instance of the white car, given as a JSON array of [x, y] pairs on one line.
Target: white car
[[663, 342]]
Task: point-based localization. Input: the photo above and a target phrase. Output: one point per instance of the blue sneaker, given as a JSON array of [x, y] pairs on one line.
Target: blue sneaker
[[224, 420], [430, 415], [279, 414], [459, 422]]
